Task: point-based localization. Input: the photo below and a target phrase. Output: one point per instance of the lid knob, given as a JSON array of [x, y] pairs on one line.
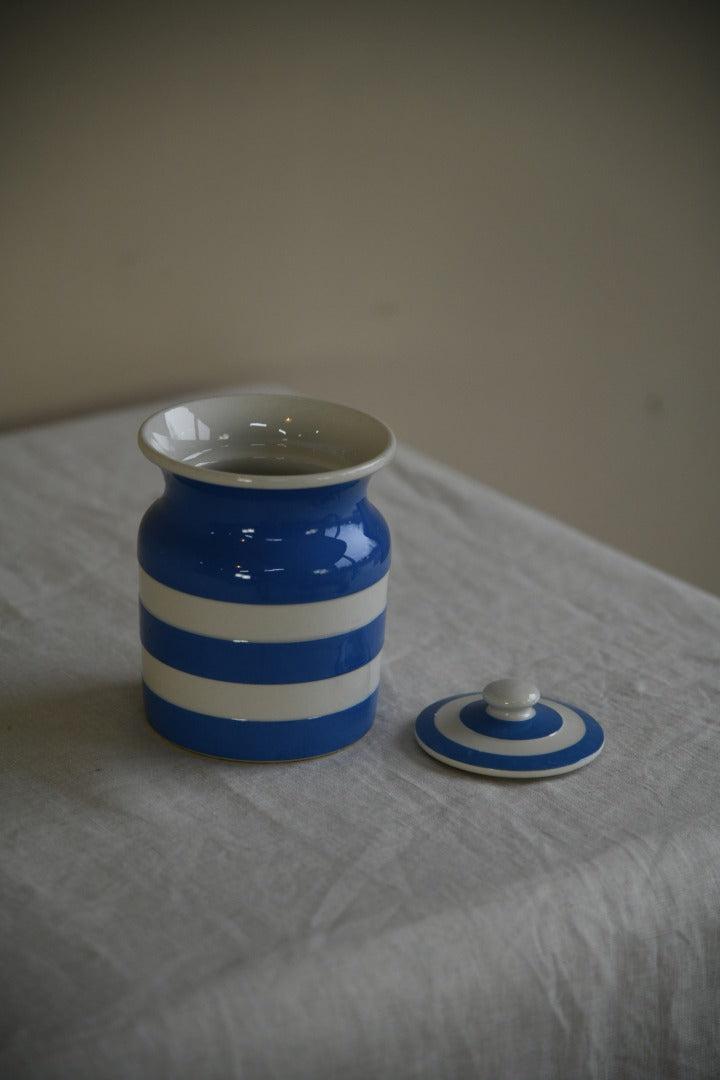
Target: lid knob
[[511, 699]]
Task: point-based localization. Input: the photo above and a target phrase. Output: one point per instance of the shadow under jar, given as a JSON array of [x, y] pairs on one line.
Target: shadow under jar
[[263, 576]]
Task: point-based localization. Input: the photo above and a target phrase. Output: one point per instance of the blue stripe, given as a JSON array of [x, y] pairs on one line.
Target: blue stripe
[[261, 662], [545, 721], [264, 546], [255, 740], [588, 744]]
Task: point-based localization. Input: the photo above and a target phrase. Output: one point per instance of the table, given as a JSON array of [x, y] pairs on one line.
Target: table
[[373, 913]]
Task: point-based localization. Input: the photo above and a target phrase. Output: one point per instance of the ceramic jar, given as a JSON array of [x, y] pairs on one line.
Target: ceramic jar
[[263, 576]]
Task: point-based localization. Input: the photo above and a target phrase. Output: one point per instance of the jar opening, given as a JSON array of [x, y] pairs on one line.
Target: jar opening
[[266, 440]]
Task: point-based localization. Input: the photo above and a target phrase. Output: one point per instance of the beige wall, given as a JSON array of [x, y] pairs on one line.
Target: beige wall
[[500, 232]]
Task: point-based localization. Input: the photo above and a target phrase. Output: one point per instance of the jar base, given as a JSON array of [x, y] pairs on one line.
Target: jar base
[[256, 741]]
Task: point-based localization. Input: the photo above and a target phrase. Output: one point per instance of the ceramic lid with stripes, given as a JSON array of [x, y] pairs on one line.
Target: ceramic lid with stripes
[[509, 730]]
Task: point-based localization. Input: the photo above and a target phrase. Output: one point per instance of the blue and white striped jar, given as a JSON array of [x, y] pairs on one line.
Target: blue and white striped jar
[[263, 576]]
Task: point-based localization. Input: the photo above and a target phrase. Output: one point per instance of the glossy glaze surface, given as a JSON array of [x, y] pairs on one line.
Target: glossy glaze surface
[[262, 609], [270, 441], [511, 699], [264, 546], [465, 732]]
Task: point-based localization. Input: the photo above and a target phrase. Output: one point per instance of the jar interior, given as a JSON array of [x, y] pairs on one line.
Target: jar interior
[[255, 436]]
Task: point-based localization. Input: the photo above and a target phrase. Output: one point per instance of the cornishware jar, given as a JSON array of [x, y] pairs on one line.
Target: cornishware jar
[[263, 576]]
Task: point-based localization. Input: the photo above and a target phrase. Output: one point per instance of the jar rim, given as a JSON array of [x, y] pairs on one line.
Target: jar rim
[[260, 440]]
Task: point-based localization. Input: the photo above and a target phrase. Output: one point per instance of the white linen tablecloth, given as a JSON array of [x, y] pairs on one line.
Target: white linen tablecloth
[[372, 914]]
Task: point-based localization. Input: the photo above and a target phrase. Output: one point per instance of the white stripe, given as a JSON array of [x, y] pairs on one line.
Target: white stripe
[[513, 774], [262, 622], [250, 701], [448, 722]]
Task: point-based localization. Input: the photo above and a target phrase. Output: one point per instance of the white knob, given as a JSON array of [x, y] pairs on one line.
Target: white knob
[[511, 699]]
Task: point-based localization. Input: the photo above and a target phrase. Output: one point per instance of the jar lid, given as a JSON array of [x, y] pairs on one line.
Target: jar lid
[[509, 730]]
